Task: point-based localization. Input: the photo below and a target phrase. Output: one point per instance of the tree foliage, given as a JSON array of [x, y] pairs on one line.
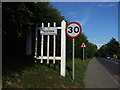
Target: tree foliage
[[21, 17], [89, 51], [111, 48]]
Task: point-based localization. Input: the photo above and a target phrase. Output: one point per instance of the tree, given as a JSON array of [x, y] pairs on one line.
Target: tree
[[91, 50], [111, 48], [20, 18], [102, 52], [78, 41]]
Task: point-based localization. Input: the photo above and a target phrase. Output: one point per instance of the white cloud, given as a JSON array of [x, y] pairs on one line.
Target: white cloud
[[106, 6], [106, 38], [94, 39], [72, 14], [99, 45], [86, 17], [82, 22]]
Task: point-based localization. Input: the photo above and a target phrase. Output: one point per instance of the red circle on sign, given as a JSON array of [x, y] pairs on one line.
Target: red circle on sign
[[73, 23]]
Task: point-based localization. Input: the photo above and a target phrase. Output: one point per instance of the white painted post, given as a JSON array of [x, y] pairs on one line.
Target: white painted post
[[63, 48], [73, 58], [42, 37], [54, 49], [36, 36], [48, 40]]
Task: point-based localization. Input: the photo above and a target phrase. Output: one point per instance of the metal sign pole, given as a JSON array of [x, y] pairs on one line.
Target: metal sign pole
[[73, 30], [73, 58], [83, 54]]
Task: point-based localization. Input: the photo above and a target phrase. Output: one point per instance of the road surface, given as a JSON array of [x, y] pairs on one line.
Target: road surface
[[112, 66], [102, 73]]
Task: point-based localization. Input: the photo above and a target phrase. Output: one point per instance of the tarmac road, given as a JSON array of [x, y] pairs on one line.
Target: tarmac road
[[112, 66], [100, 75]]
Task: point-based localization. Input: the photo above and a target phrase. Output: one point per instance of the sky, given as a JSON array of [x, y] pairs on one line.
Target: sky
[[99, 20]]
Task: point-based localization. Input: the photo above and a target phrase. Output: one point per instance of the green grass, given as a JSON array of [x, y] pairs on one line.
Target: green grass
[[42, 76]]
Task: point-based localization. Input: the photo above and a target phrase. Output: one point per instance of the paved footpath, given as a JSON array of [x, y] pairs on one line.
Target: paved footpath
[[98, 77]]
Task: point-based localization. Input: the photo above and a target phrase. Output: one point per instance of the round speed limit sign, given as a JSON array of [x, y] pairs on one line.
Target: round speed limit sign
[[73, 29]]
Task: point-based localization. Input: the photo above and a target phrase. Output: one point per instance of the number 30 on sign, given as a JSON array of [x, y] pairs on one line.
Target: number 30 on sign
[[73, 29]]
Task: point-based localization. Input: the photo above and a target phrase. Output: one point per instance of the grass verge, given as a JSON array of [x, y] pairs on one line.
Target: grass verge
[[44, 76]]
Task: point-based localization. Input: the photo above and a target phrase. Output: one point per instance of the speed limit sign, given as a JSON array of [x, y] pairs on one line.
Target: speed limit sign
[[73, 29]]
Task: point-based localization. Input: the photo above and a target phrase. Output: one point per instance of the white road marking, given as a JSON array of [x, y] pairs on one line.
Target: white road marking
[[116, 63], [112, 61]]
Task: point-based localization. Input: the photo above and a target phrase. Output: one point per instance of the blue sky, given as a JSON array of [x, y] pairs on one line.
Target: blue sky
[[99, 20]]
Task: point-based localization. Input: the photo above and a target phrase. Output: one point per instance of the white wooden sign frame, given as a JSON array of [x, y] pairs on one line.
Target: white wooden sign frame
[[62, 58]]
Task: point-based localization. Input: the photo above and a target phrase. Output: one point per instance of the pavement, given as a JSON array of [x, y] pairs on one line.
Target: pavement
[[98, 77]]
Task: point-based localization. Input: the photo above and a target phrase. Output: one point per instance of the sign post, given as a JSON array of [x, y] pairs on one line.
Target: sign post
[[73, 56], [83, 54], [48, 31], [83, 46], [73, 30]]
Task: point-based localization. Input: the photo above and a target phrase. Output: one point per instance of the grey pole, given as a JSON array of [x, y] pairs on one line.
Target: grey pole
[[83, 54], [73, 58], [36, 38]]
